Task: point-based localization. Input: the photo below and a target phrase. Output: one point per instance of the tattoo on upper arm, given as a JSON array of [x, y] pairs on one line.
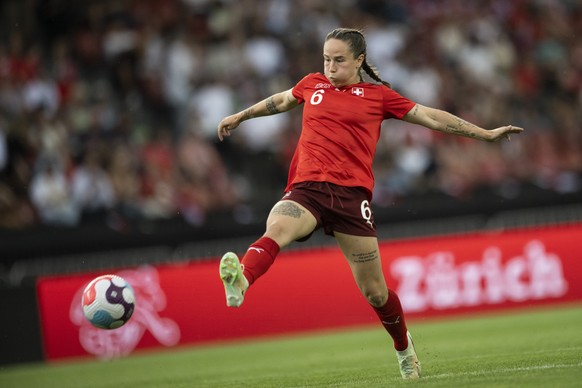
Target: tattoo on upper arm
[[271, 107], [415, 111], [288, 209], [365, 257]]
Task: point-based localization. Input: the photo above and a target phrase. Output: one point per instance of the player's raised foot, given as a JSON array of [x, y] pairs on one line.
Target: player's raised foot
[[235, 284], [408, 361]]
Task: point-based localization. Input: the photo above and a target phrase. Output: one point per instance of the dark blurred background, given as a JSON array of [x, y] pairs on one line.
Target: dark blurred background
[[108, 115]]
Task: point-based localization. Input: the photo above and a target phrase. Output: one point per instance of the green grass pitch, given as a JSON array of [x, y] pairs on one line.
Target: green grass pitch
[[524, 348]]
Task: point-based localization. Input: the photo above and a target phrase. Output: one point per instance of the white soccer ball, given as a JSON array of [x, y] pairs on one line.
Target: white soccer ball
[[108, 302]]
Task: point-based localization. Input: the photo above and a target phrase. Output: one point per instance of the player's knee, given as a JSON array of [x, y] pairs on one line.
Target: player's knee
[[376, 298], [284, 232], [278, 232], [275, 229]]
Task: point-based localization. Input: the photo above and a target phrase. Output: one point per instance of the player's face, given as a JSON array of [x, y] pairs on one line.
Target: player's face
[[340, 66]]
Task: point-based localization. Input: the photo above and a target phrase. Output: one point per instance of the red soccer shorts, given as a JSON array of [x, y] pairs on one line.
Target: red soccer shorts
[[336, 208]]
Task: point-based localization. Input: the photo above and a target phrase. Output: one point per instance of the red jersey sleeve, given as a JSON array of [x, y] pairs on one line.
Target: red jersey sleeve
[[299, 89], [395, 105]]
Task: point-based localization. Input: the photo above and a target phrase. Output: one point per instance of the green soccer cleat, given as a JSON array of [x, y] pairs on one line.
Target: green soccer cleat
[[235, 283], [408, 361]]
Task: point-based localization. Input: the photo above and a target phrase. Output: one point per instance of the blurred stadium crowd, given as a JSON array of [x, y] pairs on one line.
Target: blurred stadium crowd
[[108, 109]]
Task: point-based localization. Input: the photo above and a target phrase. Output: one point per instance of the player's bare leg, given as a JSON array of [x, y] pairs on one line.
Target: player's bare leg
[[364, 260], [287, 222]]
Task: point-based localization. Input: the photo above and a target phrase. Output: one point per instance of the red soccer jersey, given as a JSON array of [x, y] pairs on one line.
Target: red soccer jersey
[[341, 127]]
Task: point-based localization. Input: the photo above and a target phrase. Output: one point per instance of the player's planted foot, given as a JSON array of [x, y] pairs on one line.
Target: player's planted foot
[[235, 283], [408, 362]]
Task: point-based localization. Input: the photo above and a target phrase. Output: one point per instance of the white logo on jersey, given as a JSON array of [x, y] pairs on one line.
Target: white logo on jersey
[[358, 91], [322, 86]]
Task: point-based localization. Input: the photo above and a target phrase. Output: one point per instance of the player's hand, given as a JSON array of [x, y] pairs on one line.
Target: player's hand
[[226, 125], [504, 132]]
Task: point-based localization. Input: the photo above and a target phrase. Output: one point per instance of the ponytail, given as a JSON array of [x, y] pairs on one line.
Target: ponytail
[[373, 73]]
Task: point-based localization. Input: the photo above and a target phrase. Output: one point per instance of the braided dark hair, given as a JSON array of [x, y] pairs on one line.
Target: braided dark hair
[[357, 42]]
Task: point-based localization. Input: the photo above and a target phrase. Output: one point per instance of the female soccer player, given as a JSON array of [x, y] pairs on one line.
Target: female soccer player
[[330, 179]]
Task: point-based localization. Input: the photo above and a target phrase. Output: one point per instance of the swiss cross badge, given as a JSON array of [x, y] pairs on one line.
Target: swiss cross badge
[[358, 91]]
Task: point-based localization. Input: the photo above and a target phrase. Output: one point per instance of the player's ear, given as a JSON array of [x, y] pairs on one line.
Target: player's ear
[[360, 60]]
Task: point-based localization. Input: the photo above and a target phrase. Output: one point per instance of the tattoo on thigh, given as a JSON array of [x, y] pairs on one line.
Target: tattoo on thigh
[[364, 257], [288, 209]]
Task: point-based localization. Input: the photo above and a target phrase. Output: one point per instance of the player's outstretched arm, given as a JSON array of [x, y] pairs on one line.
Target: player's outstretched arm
[[277, 103], [442, 121]]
